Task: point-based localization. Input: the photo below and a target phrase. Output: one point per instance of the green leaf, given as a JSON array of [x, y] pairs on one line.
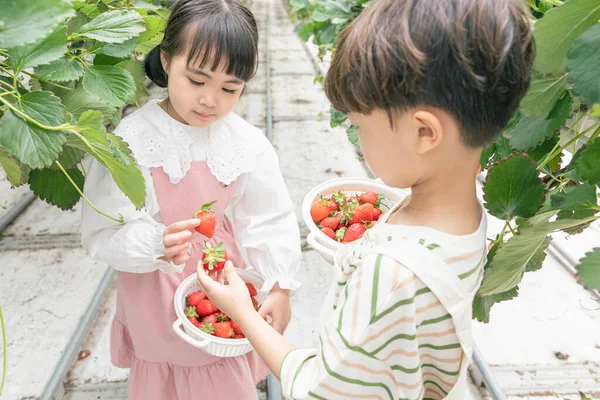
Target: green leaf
[[69, 157], [111, 84], [148, 45], [582, 64], [588, 270], [513, 188], [337, 117], [115, 26], [23, 22], [122, 50], [486, 154], [305, 30], [154, 26], [483, 305], [544, 228], [596, 111], [97, 143], [43, 107], [557, 31], [352, 135], [11, 167], [78, 101], [136, 69], [55, 188], [31, 144], [62, 70], [542, 95], [102, 59], [520, 253], [580, 197], [44, 51], [587, 164], [503, 149], [530, 131]]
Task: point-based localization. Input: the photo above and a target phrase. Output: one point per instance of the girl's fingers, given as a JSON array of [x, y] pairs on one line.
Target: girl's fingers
[[220, 277], [180, 258], [173, 239], [177, 249], [181, 226]]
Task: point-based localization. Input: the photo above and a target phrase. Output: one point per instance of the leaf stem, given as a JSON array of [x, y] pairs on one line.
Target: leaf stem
[[120, 219], [511, 229], [4, 355], [8, 93], [16, 82], [8, 85], [28, 118]]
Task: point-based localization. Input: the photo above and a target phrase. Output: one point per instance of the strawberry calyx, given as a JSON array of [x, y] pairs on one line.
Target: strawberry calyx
[[205, 208], [213, 255], [191, 312], [207, 328], [339, 235]]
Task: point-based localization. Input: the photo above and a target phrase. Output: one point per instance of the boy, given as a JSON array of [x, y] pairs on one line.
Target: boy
[[427, 84]]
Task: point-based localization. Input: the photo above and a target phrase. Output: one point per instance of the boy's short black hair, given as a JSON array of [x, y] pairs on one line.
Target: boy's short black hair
[[470, 58]]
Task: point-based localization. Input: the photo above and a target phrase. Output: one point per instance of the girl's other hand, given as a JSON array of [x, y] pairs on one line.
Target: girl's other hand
[[277, 306], [176, 239], [233, 299]]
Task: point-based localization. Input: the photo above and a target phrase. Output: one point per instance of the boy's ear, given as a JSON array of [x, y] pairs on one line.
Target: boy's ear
[[165, 62], [429, 130]]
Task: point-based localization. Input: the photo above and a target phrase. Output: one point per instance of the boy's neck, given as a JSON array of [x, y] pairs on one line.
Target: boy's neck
[[449, 206]]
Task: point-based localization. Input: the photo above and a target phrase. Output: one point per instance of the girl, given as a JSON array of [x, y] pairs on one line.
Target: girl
[[192, 150]]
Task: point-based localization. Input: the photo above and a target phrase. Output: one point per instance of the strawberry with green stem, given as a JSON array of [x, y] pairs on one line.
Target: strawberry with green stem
[[214, 258], [208, 220], [319, 210], [192, 316]]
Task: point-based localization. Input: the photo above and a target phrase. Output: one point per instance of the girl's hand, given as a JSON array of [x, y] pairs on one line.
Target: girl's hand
[[277, 306], [176, 239], [233, 299]]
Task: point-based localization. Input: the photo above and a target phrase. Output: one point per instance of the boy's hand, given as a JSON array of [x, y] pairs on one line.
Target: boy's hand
[[233, 299], [277, 306], [176, 239]]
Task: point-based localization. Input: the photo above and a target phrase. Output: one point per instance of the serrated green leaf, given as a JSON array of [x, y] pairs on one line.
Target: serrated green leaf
[[541, 151], [11, 167], [520, 253], [146, 4], [531, 131], [78, 101], [352, 135], [305, 30], [103, 59], [55, 188], [136, 69], [544, 228], [24, 22], [62, 70], [588, 270], [122, 50], [486, 154], [97, 143], [111, 84], [154, 26], [580, 197], [69, 157], [587, 164], [148, 45], [557, 31], [44, 51], [513, 188], [43, 107], [503, 149], [582, 64], [483, 305], [596, 111], [543, 95], [30, 144], [115, 26]]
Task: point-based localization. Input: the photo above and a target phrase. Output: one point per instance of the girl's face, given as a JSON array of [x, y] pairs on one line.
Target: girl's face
[[200, 97]]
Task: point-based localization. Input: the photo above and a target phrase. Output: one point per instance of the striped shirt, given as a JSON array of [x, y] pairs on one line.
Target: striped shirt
[[387, 336]]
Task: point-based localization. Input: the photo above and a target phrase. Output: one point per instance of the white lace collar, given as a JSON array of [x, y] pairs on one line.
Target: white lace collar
[[230, 152]]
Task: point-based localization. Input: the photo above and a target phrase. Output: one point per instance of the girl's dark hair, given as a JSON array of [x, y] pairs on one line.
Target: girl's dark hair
[[220, 32]]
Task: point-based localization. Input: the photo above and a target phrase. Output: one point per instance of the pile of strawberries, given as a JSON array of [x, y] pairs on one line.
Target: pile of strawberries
[[346, 218], [204, 315]]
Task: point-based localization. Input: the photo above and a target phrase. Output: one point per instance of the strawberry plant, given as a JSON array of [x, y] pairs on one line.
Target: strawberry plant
[[531, 183]]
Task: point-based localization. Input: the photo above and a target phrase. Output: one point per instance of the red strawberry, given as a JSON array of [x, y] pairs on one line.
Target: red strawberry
[[208, 328], [353, 199], [251, 289], [370, 197], [191, 312], [236, 328], [340, 233], [214, 258], [333, 206], [329, 232], [208, 220], [194, 298], [339, 198], [204, 308], [255, 303], [354, 232], [194, 321], [377, 214], [319, 210], [331, 222], [224, 330], [211, 319], [236, 336], [221, 317], [362, 213]]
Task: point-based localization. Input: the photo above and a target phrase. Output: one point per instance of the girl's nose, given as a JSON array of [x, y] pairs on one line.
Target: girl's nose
[[208, 100]]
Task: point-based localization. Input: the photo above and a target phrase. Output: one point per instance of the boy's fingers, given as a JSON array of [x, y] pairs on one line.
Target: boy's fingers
[[186, 225], [173, 239]]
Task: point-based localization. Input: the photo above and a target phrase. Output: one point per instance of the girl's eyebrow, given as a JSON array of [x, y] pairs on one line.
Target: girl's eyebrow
[[200, 72]]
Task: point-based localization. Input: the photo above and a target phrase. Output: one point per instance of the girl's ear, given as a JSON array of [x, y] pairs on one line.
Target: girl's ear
[[165, 62]]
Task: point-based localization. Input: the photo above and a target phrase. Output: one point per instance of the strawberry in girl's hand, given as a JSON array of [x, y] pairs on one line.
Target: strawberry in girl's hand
[[319, 210], [204, 308], [354, 232], [224, 330], [194, 298], [370, 197], [208, 220], [362, 213], [236, 328], [210, 320], [331, 222], [251, 289], [214, 258], [377, 214], [329, 232]]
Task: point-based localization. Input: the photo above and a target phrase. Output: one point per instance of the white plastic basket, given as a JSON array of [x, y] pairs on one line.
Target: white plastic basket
[[322, 243], [216, 346]]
